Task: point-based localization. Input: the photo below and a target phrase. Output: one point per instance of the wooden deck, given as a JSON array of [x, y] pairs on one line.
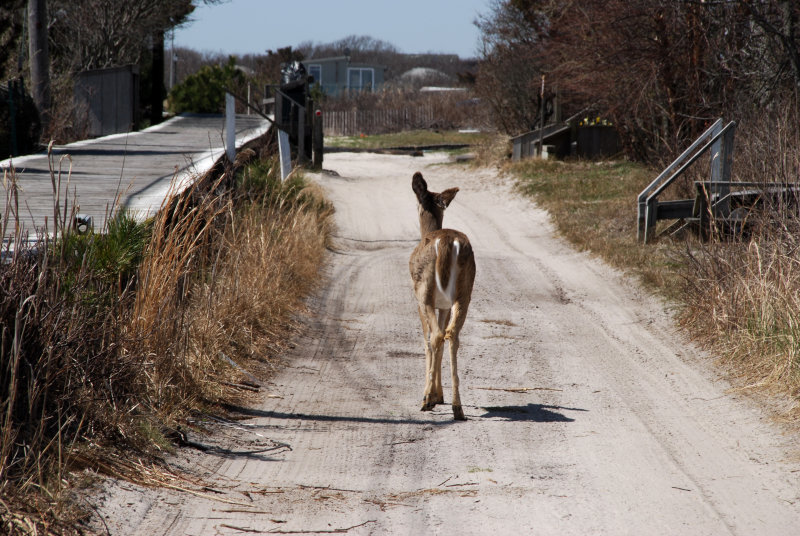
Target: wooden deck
[[140, 166]]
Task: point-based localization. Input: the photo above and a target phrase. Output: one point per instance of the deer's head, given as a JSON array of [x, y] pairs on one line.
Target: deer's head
[[431, 204]]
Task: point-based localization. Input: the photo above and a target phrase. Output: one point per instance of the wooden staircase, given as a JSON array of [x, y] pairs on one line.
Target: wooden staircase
[[712, 198]]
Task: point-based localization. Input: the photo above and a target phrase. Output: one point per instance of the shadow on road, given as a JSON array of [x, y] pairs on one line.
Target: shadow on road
[[531, 412], [252, 412]]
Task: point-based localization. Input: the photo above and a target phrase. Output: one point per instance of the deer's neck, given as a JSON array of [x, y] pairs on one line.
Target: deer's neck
[[428, 223]]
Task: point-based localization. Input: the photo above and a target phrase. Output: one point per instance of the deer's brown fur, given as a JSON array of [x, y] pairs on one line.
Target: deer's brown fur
[[443, 271]]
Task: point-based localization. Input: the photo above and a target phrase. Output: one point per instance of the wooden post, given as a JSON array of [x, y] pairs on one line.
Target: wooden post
[[317, 140], [717, 155], [12, 95], [301, 135], [724, 189], [541, 121], [285, 152], [230, 127]]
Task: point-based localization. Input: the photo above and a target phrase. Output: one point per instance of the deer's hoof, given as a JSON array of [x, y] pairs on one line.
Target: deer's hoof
[[458, 414], [427, 406]]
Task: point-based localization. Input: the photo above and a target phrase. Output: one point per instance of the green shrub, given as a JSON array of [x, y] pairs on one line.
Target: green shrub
[[204, 91]]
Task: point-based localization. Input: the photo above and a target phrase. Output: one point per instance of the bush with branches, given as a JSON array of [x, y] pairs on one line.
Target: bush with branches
[[204, 91]]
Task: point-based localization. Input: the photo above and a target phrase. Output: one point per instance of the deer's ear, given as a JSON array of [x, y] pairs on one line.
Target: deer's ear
[[446, 197], [419, 186]]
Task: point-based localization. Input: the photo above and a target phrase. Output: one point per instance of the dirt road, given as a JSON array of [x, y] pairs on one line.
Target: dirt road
[[586, 413]]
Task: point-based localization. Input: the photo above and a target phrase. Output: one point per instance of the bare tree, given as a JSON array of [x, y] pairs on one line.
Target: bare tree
[[94, 34], [39, 58], [661, 70], [513, 40], [11, 24]]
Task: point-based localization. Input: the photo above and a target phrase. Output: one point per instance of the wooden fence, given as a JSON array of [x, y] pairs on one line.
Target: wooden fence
[[355, 122]]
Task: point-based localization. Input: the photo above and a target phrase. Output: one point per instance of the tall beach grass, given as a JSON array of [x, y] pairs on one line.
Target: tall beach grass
[[110, 341]]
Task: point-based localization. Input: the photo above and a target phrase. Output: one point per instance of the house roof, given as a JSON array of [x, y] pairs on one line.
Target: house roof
[[335, 59]]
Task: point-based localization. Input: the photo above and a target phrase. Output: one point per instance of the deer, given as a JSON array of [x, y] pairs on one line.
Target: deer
[[442, 270]]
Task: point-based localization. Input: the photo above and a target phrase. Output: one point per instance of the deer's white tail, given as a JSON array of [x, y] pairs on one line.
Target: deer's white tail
[[446, 274]]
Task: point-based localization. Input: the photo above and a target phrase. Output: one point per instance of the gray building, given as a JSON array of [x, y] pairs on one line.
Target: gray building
[[339, 75]]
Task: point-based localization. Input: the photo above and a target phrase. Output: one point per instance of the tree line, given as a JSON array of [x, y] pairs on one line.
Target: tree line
[[660, 70], [45, 42]]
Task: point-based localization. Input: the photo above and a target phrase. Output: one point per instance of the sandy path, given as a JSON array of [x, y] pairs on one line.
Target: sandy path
[[625, 430]]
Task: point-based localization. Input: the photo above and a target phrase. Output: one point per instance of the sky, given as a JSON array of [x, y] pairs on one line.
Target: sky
[[412, 26]]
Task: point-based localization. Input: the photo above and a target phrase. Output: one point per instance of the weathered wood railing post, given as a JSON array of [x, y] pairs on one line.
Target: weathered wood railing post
[[230, 127], [650, 210], [317, 139], [717, 154], [301, 135]]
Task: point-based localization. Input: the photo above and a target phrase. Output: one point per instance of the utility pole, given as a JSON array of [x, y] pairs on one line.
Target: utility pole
[[172, 59], [157, 78], [39, 54], [541, 120]]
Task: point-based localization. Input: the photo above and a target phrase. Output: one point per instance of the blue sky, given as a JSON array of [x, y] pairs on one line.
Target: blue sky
[[413, 26]]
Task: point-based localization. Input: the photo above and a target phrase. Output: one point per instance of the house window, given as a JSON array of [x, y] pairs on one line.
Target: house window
[[316, 72], [360, 78]]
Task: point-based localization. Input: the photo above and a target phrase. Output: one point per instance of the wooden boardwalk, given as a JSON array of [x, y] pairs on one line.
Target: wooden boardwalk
[[139, 167]]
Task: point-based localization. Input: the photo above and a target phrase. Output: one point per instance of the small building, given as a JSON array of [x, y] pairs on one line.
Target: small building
[[338, 75], [107, 100], [573, 137]]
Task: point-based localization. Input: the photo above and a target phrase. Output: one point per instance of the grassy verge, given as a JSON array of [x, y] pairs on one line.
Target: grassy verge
[[110, 341], [738, 298], [593, 205], [413, 138]]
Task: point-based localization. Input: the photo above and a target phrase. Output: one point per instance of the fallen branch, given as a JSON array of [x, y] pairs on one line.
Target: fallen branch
[[517, 389], [328, 531], [241, 386], [241, 369], [328, 488], [204, 495], [241, 529]]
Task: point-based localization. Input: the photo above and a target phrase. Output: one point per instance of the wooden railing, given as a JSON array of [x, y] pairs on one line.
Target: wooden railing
[[717, 139]]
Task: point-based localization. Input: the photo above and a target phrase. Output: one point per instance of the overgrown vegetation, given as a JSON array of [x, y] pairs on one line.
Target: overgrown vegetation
[[204, 91], [660, 70], [736, 295], [688, 64], [110, 341], [593, 206]]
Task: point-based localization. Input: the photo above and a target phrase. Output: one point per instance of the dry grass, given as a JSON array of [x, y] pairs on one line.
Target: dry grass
[[737, 296], [593, 205], [409, 138], [743, 301], [742, 294], [110, 341]]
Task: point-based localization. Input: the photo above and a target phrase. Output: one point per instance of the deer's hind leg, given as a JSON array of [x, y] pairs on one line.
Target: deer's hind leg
[[459, 314], [443, 317], [434, 341], [429, 355]]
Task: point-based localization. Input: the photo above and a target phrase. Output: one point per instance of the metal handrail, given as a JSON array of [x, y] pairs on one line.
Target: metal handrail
[[678, 160], [647, 199], [691, 161]]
